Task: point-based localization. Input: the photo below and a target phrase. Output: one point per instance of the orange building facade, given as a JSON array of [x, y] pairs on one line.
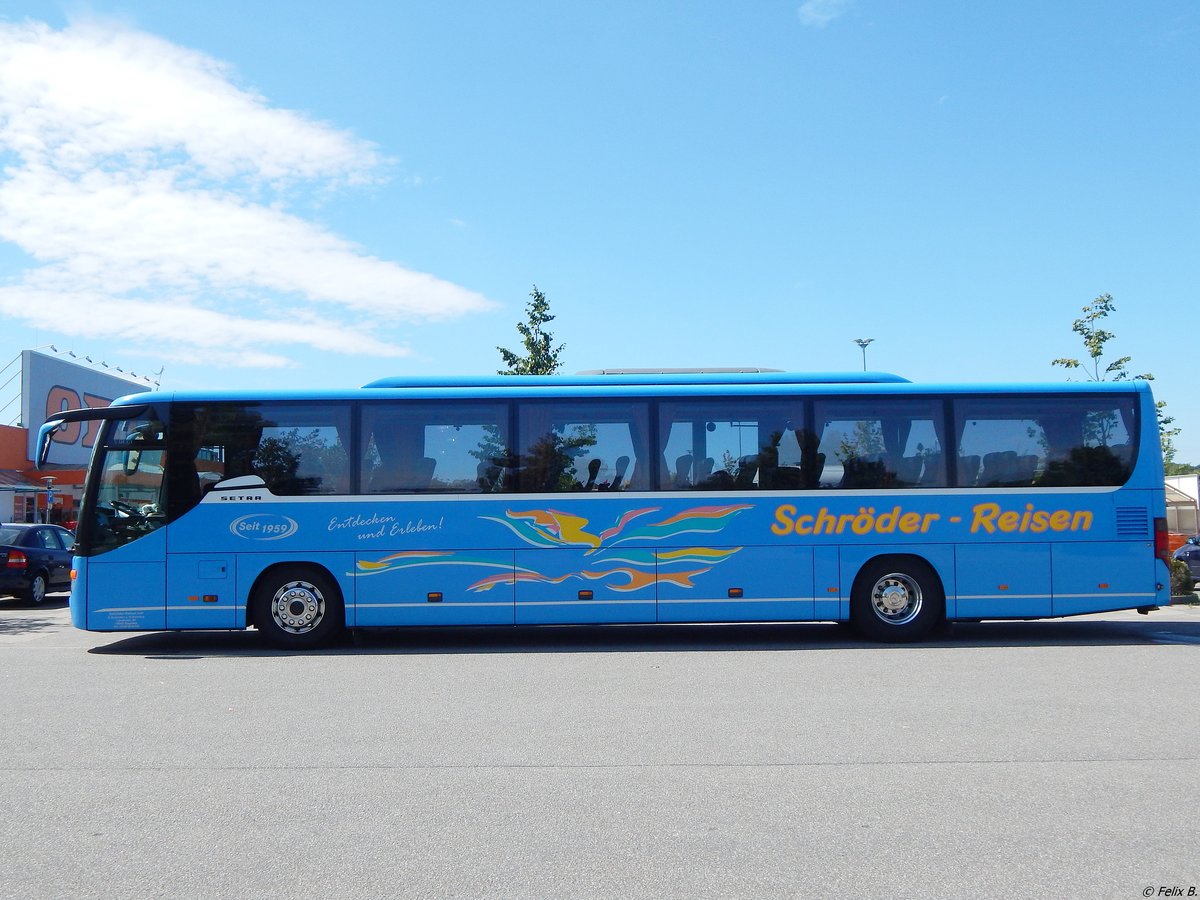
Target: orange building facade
[[27, 495], [50, 383]]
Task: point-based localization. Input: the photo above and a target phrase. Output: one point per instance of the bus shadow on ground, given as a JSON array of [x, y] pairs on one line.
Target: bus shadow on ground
[[658, 639]]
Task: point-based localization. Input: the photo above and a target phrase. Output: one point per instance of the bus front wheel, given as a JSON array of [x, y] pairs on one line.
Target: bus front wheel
[[298, 608], [897, 599]]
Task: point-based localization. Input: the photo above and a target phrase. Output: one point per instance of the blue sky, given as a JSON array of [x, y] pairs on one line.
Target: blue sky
[[309, 194]]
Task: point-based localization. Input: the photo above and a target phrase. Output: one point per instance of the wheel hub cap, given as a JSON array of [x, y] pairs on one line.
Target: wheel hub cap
[[298, 607], [896, 599], [893, 598]]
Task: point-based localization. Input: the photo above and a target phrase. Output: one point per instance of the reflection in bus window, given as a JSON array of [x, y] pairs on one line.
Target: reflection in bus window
[[726, 445], [296, 449], [1044, 441], [881, 443], [435, 448], [588, 446]]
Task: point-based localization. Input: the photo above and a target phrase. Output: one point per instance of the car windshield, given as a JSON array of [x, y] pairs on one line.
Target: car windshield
[[10, 535]]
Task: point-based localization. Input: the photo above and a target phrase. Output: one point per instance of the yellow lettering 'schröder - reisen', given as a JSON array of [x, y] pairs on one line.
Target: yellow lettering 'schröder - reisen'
[[986, 518]]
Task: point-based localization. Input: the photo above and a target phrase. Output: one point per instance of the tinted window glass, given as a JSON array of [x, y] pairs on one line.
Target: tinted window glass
[[294, 448], [880, 443], [1045, 441], [735, 444], [583, 446], [435, 447]]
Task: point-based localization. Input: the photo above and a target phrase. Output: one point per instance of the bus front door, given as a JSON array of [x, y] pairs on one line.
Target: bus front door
[[123, 590]]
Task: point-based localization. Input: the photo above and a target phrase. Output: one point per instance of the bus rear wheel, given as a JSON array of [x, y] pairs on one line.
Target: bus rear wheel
[[298, 608], [897, 599]]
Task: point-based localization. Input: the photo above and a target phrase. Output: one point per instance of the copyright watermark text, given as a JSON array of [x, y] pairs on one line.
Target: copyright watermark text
[[1170, 890]]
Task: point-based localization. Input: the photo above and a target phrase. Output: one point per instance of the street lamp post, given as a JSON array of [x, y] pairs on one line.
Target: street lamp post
[[862, 343]]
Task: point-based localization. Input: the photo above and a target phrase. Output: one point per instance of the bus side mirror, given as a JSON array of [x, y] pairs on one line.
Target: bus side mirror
[[45, 436]]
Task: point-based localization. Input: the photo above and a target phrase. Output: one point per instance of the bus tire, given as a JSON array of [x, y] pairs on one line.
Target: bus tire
[[298, 607], [897, 599]]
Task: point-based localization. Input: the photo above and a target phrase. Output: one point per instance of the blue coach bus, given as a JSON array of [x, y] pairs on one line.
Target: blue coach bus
[[632, 497]]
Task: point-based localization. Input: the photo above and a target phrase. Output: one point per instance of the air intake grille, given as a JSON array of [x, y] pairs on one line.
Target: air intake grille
[[1133, 522]]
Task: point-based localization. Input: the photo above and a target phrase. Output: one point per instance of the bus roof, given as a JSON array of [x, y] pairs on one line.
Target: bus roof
[[617, 387], [604, 377]]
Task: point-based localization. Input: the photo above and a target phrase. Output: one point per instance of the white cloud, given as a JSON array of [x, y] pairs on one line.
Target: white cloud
[[819, 13], [150, 189], [93, 91], [183, 327]]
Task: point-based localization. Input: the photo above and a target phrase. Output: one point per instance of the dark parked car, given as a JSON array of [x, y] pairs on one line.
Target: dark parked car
[[1190, 554], [34, 559]]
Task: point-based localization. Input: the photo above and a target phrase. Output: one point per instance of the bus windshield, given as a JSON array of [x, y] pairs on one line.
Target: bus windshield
[[127, 496]]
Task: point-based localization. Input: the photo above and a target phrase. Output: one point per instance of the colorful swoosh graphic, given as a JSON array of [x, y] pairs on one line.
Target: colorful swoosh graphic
[[619, 568], [624, 573], [413, 559], [551, 528]]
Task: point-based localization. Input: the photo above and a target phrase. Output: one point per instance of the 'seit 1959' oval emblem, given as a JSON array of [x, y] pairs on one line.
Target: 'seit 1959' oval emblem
[[263, 527]]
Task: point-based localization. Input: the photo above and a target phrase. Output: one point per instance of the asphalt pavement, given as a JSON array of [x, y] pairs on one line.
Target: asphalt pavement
[[1026, 759]]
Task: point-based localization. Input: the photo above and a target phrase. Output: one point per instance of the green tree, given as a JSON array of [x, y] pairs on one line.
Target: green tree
[[279, 458], [541, 355], [1094, 339], [1088, 327], [1166, 433], [1174, 468]]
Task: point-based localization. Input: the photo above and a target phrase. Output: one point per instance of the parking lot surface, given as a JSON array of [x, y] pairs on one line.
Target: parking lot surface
[[1055, 758]]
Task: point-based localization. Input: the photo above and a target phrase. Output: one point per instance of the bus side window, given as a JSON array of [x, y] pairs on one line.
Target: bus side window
[[867, 445], [302, 458], [582, 446], [719, 444], [434, 447], [1046, 441]]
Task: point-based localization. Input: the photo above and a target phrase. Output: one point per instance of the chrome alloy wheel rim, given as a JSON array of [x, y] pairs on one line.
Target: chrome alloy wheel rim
[[298, 607], [897, 599], [38, 590]]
